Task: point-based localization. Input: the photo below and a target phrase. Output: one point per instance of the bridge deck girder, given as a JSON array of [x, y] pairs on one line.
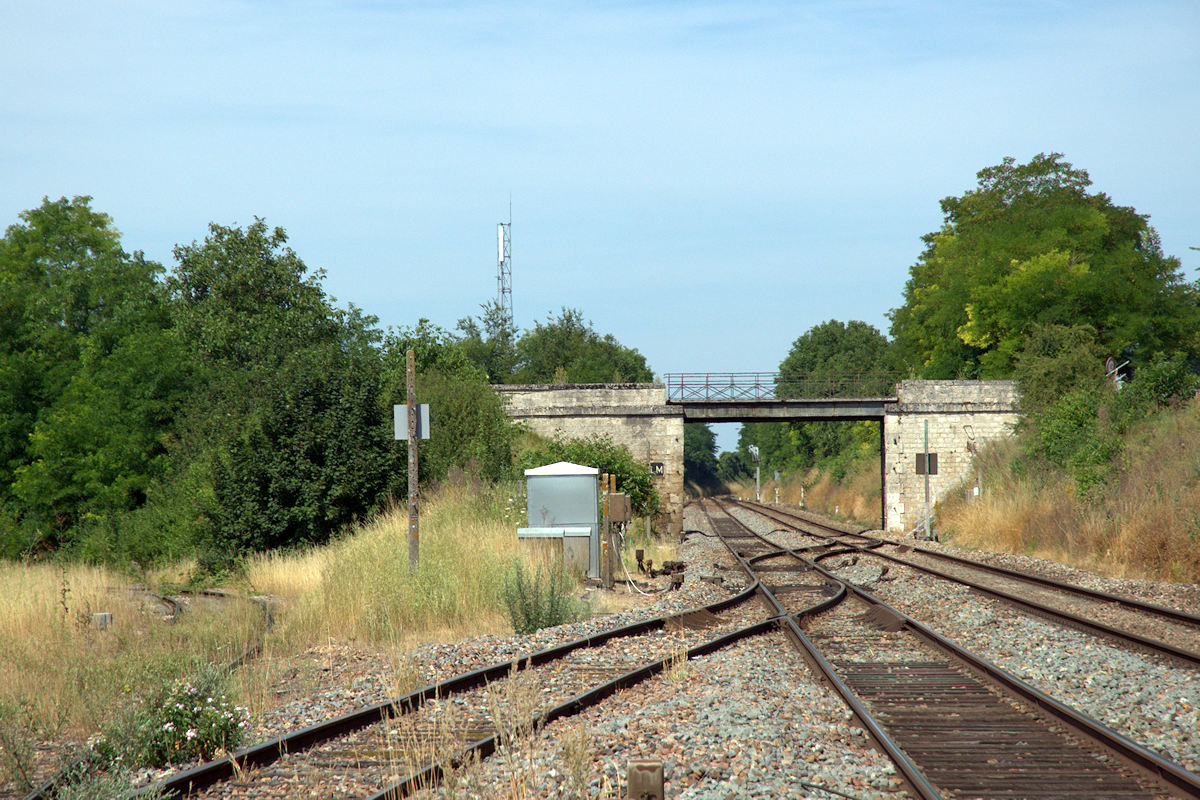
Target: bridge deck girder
[[798, 410]]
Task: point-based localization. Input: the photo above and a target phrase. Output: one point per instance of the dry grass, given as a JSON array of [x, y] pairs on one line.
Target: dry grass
[[361, 588], [854, 499], [1145, 523], [61, 678], [67, 676]]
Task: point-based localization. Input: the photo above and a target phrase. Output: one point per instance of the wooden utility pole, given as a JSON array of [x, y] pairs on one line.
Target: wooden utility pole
[[413, 411]]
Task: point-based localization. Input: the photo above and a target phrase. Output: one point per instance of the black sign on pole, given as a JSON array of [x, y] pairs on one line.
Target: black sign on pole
[[927, 464]]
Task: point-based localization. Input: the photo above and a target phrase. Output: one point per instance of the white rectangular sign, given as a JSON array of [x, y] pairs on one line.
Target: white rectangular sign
[[400, 417]]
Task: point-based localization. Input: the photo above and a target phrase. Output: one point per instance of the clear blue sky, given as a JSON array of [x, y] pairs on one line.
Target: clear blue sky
[[705, 180]]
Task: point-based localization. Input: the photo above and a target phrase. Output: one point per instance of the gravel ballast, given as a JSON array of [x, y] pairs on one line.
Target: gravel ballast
[[1150, 700]]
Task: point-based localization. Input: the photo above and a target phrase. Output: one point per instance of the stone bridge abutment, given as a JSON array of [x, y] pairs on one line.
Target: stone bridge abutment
[[635, 415], [957, 417]]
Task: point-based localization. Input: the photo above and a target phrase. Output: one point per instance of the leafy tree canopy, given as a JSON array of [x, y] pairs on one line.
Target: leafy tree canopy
[[566, 349], [490, 342], [90, 373], [832, 350], [1054, 360], [836, 350], [1031, 245], [293, 423], [700, 456], [471, 432]]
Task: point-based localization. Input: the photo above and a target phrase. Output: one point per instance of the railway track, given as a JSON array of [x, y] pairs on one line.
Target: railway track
[[966, 727], [1130, 622], [397, 748]]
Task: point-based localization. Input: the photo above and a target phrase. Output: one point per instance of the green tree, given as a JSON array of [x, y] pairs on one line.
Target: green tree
[[841, 354], [567, 349], [91, 376], [293, 428], [470, 430], [1056, 360], [834, 358], [491, 342], [731, 466], [700, 456], [1031, 245]]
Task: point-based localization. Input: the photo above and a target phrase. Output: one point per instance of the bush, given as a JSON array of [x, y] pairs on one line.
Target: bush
[[1080, 431], [633, 477], [1155, 386], [542, 600], [186, 720]]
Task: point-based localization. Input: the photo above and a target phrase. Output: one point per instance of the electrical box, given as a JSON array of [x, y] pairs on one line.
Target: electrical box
[[566, 497], [619, 509]]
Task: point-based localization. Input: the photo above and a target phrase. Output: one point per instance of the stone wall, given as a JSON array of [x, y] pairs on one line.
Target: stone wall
[[961, 415], [635, 415]]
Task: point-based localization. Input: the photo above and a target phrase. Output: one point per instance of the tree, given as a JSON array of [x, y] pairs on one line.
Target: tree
[[731, 466], [1032, 246], [491, 342], [700, 456], [471, 432], [834, 351], [567, 349], [91, 376], [293, 427], [1055, 360]]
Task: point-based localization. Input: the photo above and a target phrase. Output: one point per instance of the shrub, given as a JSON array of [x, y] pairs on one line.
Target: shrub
[[633, 477], [541, 600], [186, 720]]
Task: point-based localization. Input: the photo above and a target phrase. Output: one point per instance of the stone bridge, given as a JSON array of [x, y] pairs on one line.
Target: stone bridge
[[954, 417]]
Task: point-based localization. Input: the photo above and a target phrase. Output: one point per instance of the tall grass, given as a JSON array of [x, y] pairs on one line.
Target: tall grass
[[69, 674], [1143, 522], [855, 498], [360, 588], [61, 679]]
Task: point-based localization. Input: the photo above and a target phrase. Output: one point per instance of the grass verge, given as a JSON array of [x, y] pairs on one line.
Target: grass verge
[[63, 679], [1142, 522]]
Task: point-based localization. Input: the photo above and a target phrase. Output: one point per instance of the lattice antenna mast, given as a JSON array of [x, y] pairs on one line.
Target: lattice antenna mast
[[504, 268]]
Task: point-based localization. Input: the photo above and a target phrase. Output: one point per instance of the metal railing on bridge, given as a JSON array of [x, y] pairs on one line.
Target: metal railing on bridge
[[740, 387]]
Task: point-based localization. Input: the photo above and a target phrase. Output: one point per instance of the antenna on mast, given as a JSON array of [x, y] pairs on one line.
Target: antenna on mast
[[504, 267]]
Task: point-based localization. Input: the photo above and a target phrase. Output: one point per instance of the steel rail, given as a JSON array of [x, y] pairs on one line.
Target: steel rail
[[1154, 645], [1082, 724], [485, 746], [1141, 605], [204, 775], [488, 744], [912, 774]]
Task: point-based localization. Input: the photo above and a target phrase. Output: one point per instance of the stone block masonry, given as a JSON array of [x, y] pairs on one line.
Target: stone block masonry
[[961, 416], [635, 415]]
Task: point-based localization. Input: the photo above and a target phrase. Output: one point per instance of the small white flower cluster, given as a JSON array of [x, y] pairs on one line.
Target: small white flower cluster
[[184, 725]]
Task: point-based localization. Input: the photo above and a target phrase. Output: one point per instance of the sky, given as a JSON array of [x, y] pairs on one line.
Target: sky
[[705, 180]]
